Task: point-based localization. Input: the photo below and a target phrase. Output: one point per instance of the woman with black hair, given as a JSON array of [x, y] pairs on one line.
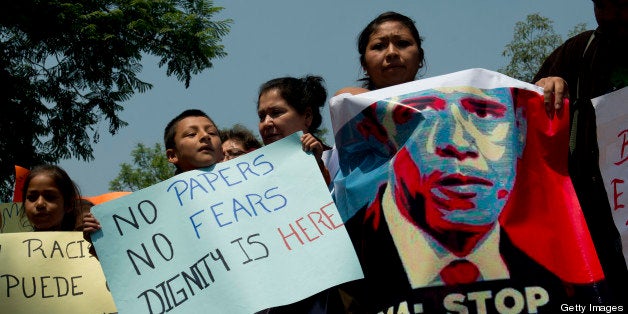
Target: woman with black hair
[[390, 53], [287, 105]]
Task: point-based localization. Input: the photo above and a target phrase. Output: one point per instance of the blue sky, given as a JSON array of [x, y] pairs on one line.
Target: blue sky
[[274, 38]]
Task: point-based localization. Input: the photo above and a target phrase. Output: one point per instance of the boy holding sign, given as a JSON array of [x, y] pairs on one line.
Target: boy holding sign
[[192, 141]]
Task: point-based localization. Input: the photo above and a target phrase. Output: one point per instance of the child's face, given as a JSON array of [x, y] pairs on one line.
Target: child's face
[[196, 144], [43, 203]]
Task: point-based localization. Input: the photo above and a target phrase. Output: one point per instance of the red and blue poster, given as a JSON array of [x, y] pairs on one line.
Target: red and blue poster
[[455, 193]]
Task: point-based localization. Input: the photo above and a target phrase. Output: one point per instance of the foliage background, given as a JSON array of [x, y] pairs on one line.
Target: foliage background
[[68, 65]]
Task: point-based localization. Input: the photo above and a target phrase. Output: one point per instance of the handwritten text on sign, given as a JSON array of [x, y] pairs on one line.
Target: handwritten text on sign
[[51, 272], [248, 234], [611, 112], [13, 219]]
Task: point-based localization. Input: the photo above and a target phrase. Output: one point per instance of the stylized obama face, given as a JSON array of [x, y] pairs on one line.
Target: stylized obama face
[[457, 167]]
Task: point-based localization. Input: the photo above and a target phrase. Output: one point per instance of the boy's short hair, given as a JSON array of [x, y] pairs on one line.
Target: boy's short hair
[[169, 131]]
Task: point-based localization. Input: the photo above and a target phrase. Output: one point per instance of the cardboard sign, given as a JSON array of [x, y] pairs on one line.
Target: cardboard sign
[[12, 218], [51, 272], [611, 112], [255, 232]]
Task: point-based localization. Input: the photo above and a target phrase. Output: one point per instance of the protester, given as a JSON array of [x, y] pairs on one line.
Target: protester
[[390, 52], [586, 66], [50, 200], [192, 141], [287, 105], [238, 141]]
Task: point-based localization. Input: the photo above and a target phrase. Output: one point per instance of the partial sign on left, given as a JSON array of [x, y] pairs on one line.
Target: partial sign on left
[[51, 272], [12, 219]]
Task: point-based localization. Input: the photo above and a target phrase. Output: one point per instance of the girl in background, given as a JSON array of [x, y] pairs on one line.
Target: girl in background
[[51, 200]]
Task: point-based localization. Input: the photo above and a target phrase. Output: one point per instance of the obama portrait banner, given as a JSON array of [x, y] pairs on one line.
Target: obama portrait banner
[[456, 196]]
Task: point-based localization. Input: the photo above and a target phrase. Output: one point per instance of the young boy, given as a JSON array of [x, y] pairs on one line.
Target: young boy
[[192, 141]]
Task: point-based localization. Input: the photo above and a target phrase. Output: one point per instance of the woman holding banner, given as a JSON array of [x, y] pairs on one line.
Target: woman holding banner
[[390, 53], [443, 161]]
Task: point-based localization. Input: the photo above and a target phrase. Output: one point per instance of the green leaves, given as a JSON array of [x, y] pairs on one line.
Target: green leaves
[[533, 40], [67, 65], [150, 166]]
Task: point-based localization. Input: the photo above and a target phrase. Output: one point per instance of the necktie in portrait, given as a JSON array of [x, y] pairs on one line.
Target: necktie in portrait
[[459, 272]]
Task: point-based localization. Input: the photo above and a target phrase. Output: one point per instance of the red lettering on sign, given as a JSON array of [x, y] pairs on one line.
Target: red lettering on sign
[[623, 157], [309, 227], [617, 194]]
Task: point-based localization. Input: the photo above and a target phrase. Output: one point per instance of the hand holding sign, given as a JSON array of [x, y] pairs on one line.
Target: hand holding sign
[[251, 233]]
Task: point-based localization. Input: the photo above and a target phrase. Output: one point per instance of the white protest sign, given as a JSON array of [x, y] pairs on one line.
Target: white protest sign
[[611, 112], [255, 232]]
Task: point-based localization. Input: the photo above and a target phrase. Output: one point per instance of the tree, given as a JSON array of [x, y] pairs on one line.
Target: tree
[[579, 28], [67, 65], [533, 40], [150, 166]]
